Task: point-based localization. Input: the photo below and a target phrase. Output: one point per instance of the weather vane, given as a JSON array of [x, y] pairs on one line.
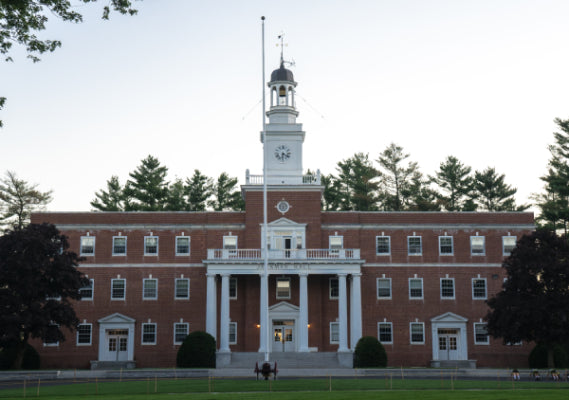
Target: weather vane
[[282, 44]]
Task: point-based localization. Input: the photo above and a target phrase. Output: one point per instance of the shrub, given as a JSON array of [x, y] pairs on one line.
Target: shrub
[[538, 356], [370, 353], [197, 351], [30, 360]]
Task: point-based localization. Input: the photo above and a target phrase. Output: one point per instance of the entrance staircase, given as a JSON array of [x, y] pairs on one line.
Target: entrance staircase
[[286, 360]]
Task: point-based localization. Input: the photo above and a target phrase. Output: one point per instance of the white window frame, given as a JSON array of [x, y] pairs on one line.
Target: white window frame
[[144, 296], [388, 253], [52, 344], [411, 297], [90, 335], [146, 239], [233, 332], [282, 279], [155, 333], [420, 253], [233, 285], [453, 289], [377, 289], [125, 246], [476, 341], [485, 289], [187, 329], [187, 296], [331, 295], [443, 238], [91, 287], [334, 326], [113, 280], [82, 246], [335, 244], [473, 246], [422, 324], [507, 238], [189, 245], [390, 324]]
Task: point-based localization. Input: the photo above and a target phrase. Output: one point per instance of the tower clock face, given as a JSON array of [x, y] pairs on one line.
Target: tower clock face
[[282, 153]]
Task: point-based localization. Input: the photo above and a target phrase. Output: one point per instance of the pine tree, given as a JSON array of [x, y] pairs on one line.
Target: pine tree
[[198, 189], [227, 197], [147, 190], [358, 184], [331, 198], [454, 179], [112, 199], [492, 193]]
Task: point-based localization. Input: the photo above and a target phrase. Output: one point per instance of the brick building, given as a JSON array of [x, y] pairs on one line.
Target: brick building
[[417, 281]]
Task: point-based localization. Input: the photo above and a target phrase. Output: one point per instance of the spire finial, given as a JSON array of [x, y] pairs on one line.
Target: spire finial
[[281, 37]]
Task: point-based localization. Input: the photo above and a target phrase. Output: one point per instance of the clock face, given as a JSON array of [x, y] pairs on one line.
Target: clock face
[[282, 153]]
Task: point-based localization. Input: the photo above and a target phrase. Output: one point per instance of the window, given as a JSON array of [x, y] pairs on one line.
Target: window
[[233, 333], [181, 330], [151, 245], [481, 334], [283, 288], [148, 333], [230, 242], [385, 332], [415, 288], [508, 244], [336, 243], [182, 288], [87, 246], [86, 292], [334, 332], [477, 245], [334, 288], [417, 333], [52, 335], [383, 288], [84, 334], [445, 246], [118, 289], [119, 245], [182, 245], [447, 288], [414, 246], [150, 289], [233, 288], [383, 245], [479, 288]]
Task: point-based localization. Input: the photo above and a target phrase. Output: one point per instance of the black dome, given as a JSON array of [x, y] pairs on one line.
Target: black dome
[[282, 74]]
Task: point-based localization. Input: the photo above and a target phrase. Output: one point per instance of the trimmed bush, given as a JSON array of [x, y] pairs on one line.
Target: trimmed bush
[[197, 351], [538, 356], [30, 360], [369, 353]]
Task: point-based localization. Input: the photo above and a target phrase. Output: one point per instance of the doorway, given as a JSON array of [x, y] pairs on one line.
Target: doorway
[[283, 335], [449, 341], [117, 344]]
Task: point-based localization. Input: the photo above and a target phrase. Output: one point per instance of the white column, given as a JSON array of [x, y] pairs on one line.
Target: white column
[[343, 312], [355, 310], [264, 314], [211, 308], [224, 320], [303, 316]]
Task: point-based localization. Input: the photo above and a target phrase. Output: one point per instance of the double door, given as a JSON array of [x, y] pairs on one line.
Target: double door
[[449, 342], [283, 336], [117, 345]]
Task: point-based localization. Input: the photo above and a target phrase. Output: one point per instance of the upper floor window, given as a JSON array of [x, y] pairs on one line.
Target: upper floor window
[[415, 288], [383, 245], [118, 289], [334, 287], [151, 245], [283, 288], [447, 288], [336, 243], [150, 289], [119, 245], [182, 290], [508, 244], [477, 245], [230, 242], [86, 292], [182, 245], [445, 246], [87, 246], [385, 332], [383, 288], [414, 245], [479, 288]]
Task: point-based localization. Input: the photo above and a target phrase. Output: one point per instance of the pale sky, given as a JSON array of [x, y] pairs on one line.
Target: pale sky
[[481, 80]]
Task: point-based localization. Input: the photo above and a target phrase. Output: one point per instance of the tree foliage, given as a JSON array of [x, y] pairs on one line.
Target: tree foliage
[[369, 352], [112, 199], [534, 302], [197, 351], [357, 184], [225, 195], [18, 199], [493, 194], [147, 188], [455, 180], [38, 281]]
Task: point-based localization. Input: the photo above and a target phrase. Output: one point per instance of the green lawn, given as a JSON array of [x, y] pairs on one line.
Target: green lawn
[[335, 388]]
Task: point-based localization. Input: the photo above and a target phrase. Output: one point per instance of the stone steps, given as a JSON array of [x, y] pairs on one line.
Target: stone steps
[[285, 360]]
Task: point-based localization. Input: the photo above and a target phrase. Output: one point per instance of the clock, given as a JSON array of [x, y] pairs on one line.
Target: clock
[[282, 153]]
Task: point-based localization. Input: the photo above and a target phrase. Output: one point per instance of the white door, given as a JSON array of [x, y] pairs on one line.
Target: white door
[[117, 345], [283, 336], [448, 344]]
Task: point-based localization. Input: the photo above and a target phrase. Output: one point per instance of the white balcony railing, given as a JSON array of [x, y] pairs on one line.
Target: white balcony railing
[[292, 254], [310, 179]]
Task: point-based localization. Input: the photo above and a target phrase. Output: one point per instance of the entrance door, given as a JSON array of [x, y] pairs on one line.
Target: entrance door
[[283, 336], [448, 344], [117, 344], [284, 243]]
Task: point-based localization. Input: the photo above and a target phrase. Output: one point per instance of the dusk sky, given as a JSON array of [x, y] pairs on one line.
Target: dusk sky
[[481, 80]]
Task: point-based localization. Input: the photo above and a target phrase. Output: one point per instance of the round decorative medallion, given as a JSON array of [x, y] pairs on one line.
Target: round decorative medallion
[[283, 206]]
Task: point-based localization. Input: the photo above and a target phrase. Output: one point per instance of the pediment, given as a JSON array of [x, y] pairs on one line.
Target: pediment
[[117, 318], [285, 222], [283, 307], [449, 317]]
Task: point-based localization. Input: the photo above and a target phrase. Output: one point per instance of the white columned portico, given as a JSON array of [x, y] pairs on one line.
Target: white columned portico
[[355, 310], [343, 313], [303, 315], [224, 320], [264, 314], [211, 309]]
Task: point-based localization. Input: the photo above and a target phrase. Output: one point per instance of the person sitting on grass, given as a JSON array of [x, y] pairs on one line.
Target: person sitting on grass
[[516, 374]]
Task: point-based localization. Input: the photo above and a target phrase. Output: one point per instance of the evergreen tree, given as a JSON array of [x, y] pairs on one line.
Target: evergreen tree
[[177, 199], [492, 193], [455, 180], [198, 189], [147, 190], [112, 199], [226, 195], [357, 184], [422, 197], [331, 198]]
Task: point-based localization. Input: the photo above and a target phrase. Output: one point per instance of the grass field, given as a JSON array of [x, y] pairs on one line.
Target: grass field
[[295, 389]]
